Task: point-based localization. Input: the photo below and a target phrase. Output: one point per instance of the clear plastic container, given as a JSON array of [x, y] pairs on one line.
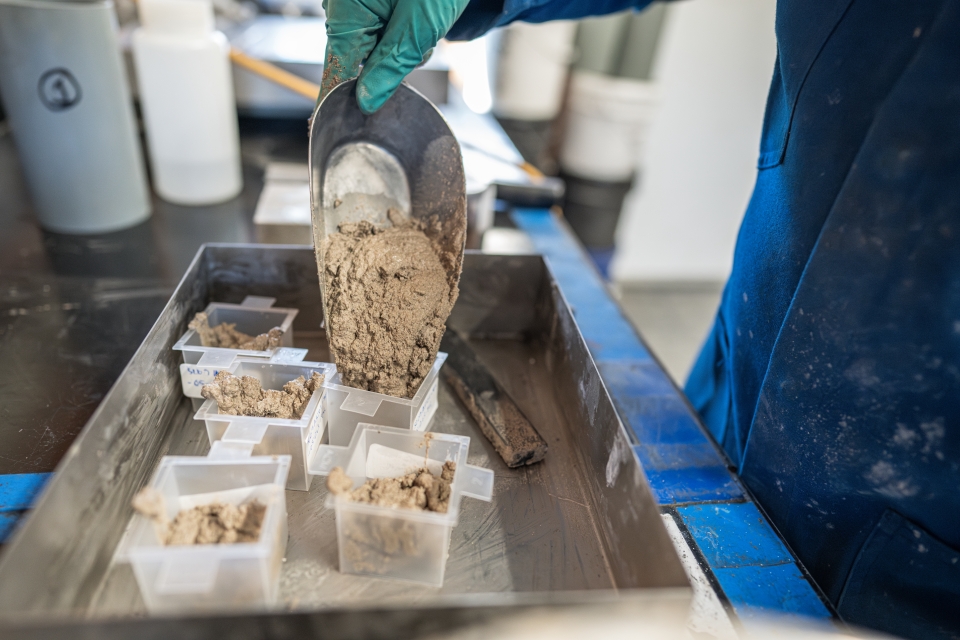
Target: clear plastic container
[[386, 542], [178, 579], [253, 316], [347, 407], [269, 436]]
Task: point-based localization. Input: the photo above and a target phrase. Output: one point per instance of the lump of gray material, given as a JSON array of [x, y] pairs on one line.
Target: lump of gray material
[[226, 336], [388, 298], [245, 396]]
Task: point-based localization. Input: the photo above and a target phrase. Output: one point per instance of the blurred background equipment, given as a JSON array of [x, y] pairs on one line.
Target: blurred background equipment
[[611, 104], [275, 74], [588, 125], [655, 138], [679, 225], [68, 104], [530, 80], [297, 45], [713, 68], [186, 94], [294, 45], [607, 121]]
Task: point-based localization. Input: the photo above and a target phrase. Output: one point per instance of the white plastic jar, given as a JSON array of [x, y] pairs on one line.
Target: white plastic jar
[[607, 126], [186, 93]]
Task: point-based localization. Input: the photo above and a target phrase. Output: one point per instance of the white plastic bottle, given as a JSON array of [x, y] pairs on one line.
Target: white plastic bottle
[[186, 93]]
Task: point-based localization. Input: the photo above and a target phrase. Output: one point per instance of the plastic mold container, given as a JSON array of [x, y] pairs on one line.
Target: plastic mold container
[[385, 542], [212, 576], [348, 407], [253, 316], [274, 436]]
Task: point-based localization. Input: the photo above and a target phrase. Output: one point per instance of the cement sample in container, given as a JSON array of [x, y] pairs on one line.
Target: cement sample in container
[[215, 523], [245, 396], [226, 336], [418, 489], [388, 297]]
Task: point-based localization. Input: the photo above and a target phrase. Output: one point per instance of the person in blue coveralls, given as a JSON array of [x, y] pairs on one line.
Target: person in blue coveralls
[[831, 377]]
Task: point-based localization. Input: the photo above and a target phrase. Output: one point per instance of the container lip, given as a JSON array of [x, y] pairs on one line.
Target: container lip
[[335, 383], [450, 518], [181, 345], [209, 410], [410, 433], [292, 311], [169, 461], [325, 367]]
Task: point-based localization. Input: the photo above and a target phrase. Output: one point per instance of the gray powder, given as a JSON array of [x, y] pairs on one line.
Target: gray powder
[[245, 396], [388, 296]]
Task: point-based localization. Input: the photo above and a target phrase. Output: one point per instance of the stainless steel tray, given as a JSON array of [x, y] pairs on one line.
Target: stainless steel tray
[[581, 527]]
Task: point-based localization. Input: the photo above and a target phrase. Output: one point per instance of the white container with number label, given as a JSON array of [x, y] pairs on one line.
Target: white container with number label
[[65, 92]]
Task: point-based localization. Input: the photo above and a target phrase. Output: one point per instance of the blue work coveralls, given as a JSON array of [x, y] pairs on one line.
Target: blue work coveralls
[[831, 377]]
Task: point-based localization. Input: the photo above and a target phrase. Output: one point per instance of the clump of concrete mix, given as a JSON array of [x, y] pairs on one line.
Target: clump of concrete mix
[[388, 298], [215, 523], [245, 396], [226, 335], [420, 489]]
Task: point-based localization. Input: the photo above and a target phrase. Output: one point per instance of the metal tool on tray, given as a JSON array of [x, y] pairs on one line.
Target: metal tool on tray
[[498, 416], [402, 157]]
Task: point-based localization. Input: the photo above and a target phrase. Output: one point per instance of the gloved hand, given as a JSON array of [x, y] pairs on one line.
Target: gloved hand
[[392, 35]]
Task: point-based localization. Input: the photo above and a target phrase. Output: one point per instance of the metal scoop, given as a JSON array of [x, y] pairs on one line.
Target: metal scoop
[[403, 157]]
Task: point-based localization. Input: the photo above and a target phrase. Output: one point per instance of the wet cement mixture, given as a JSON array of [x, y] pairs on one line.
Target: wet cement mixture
[[418, 489], [245, 396], [388, 297], [215, 523], [226, 336]]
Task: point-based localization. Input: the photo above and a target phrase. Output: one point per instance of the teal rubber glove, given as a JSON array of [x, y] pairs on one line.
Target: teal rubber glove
[[393, 36]]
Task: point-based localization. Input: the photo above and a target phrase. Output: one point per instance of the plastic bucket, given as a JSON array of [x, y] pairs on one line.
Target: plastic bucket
[[533, 69], [592, 209], [65, 93], [606, 126]]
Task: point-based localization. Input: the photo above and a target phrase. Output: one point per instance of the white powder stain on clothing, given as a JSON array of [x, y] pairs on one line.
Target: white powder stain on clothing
[[887, 481]]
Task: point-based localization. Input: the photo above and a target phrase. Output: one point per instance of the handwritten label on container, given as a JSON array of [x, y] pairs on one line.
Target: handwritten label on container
[[318, 425], [427, 409], [194, 376]]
